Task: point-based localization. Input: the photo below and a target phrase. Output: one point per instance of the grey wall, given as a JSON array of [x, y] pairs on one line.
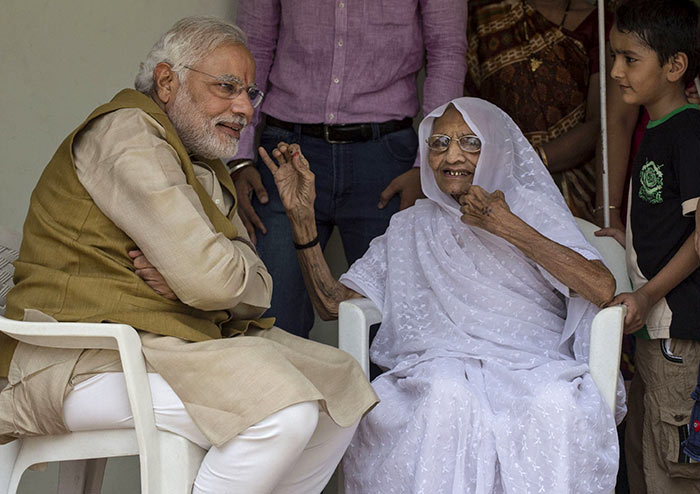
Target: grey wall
[[58, 61]]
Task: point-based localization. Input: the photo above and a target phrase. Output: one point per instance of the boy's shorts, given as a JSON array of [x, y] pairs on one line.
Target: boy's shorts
[[660, 404]]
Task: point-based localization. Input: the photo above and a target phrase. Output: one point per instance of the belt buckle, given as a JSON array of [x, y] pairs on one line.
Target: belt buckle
[[326, 136]]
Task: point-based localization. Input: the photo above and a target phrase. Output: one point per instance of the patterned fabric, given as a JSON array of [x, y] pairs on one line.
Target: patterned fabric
[[507, 39], [487, 387]]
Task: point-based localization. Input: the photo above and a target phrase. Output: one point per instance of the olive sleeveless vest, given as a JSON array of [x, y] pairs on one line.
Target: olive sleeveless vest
[[73, 263]]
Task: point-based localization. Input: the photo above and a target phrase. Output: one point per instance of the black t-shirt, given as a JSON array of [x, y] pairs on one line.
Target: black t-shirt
[[665, 185]]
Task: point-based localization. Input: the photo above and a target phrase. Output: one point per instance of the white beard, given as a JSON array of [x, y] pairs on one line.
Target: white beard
[[198, 132]]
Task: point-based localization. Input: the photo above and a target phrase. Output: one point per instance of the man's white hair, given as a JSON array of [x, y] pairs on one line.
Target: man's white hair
[[188, 41]]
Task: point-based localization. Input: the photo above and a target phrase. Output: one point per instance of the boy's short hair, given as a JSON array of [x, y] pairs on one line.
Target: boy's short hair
[[666, 26]]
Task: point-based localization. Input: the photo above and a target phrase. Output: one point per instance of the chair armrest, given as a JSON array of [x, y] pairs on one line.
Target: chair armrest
[[612, 252], [119, 337], [355, 316], [605, 350]]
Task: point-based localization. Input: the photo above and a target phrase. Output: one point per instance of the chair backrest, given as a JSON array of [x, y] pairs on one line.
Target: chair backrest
[[613, 254], [9, 250]]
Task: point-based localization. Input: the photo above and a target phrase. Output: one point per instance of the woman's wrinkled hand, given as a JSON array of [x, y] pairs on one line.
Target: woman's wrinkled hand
[[150, 275], [638, 306], [479, 208], [294, 179]]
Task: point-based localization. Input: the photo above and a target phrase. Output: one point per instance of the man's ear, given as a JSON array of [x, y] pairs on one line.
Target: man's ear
[[677, 65], [165, 82]]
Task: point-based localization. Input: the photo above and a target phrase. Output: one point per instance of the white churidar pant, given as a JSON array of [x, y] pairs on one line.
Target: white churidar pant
[[292, 451]]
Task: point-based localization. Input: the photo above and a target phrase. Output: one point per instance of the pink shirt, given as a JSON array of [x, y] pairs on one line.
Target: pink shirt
[[351, 61]]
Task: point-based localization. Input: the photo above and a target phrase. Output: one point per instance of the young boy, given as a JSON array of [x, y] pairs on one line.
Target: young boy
[[655, 52]]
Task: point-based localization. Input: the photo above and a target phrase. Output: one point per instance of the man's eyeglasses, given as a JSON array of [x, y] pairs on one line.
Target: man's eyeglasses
[[468, 143], [229, 87]]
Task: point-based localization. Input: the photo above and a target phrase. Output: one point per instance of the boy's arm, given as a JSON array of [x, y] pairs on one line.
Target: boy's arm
[[642, 300]]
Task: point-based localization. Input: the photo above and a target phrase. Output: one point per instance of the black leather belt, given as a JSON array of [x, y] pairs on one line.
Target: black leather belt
[[343, 134]]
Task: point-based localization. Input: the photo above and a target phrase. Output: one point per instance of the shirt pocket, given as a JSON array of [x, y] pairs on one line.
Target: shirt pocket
[[391, 12]]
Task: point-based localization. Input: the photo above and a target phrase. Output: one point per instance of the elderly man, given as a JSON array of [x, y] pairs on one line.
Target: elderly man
[[134, 221]]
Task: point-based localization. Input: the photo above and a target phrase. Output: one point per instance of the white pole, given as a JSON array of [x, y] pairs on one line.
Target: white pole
[[602, 56]]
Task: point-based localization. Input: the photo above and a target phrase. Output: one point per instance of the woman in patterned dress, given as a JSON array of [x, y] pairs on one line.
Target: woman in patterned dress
[[538, 61]]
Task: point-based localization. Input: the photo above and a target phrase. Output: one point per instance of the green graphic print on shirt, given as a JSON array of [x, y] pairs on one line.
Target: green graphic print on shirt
[[652, 181]]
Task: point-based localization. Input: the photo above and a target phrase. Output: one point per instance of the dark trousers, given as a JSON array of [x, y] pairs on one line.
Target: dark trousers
[[349, 179]]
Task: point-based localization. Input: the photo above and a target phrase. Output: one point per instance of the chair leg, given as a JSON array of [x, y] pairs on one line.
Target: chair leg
[[8, 455], [178, 465], [95, 475], [81, 476]]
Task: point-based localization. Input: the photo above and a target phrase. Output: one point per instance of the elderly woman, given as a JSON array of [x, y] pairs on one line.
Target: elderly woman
[[487, 291]]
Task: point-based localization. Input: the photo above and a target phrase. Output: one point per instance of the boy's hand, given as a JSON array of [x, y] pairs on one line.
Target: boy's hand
[[615, 233], [638, 305]]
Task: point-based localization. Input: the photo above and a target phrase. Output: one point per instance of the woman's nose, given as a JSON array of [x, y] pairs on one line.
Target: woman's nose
[[454, 153]]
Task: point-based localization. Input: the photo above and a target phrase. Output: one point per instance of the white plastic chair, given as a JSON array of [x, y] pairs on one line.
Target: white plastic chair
[[606, 333], [9, 250], [169, 463], [355, 316]]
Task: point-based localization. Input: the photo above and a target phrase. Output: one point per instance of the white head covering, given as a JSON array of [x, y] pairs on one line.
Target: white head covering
[[510, 164], [432, 242]]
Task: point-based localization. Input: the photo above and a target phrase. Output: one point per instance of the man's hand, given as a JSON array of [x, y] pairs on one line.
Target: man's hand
[[407, 185], [638, 306], [148, 273], [247, 182], [294, 179], [615, 233], [479, 208]]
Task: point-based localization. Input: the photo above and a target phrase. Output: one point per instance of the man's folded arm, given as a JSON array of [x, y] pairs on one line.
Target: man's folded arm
[[134, 177]]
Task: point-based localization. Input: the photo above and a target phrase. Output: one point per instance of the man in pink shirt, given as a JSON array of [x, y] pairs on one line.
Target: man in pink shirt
[[340, 79]]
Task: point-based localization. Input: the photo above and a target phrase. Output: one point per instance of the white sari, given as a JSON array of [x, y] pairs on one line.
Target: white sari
[[487, 388]]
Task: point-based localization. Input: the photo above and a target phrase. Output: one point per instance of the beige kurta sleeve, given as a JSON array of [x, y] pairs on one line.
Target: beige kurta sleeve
[[134, 177]]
